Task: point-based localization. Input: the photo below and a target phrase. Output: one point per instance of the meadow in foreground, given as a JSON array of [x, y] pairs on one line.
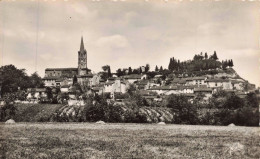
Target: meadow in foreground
[[90, 140]]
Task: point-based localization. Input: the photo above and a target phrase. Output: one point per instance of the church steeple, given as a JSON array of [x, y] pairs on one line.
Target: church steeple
[[82, 59], [82, 44]]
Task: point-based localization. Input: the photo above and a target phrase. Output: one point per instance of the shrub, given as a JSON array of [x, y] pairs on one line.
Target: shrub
[[185, 112]]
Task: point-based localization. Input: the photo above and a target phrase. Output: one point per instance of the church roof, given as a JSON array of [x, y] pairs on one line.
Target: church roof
[[82, 45], [61, 69]]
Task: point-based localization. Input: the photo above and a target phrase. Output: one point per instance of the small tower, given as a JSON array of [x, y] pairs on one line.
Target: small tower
[[82, 59]]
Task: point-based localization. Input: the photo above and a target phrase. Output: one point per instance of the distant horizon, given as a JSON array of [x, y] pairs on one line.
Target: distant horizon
[[126, 34]]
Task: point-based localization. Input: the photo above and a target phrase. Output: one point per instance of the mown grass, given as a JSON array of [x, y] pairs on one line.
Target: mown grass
[[89, 140]]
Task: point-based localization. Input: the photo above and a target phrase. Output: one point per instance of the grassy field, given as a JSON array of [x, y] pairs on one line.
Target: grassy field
[[90, 140]]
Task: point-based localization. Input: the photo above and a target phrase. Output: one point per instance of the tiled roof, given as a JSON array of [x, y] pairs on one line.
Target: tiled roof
[[96, 88], [61, 69], [109, 83], [217, 80], [189, 79], [202, 89], [164, 88], [199, 78], [133, 76], [87, 75], [51, 78], [144, 82], [65, 86], [188, 87], [36, 89], [234, 82]]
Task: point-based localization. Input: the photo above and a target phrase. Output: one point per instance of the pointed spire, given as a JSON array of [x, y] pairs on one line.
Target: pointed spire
[[82, 44]]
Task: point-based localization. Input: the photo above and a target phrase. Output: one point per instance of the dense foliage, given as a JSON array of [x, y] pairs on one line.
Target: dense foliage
[[13, 79], [200, 62], [228, 108]]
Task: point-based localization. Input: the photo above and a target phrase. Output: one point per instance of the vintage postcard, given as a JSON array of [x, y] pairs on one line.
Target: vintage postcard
[[129, 79]]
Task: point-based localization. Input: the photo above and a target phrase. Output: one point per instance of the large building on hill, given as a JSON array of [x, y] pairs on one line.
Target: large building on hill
[[55, 76]]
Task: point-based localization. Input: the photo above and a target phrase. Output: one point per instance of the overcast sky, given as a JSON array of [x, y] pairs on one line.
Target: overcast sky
[[123, 34]]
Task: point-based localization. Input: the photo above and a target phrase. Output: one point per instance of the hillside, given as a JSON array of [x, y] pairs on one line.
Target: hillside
[[65, 113]]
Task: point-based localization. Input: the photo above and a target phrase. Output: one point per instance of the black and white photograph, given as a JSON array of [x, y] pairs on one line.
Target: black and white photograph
[[129, 79]]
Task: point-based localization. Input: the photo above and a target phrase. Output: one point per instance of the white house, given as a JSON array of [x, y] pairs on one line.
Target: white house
[[50, 81], [196, 80], [95, 80], [64, 89], [187, 89], [115, 86]]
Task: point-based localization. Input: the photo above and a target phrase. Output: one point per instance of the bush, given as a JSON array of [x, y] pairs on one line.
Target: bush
[[185, 112], [7, 112]]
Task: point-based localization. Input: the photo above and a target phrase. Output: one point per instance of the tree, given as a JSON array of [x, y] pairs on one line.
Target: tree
[[156, 68], [13, 79], [161, 69], [147, 67], [36, 81], [106, 72], [135, 71], [206, 55], [130, 70], [185, 112], [105, 68], [231, 63], [170, 67], [75, 80], [119, 72], [140, 70], [214, 56], [224, 64], [109, 72]]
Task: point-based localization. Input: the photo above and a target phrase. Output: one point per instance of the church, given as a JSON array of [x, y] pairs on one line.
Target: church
[[64, 76]]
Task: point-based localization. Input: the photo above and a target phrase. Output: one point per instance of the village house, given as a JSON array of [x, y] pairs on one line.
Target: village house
[[95, 80], [189, 81], [195, 80], [216, 83], [178, 81], [85, 79], [206, 92], [115, 86], [187, 89], [238, 85], [64, 89], [150, 95], [143, 84], [50, 81], [166, 90], [134, 77], [97, 90]]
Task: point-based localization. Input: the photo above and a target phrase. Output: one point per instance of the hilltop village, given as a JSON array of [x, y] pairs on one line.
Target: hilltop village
[[203, 90], [202, 76]]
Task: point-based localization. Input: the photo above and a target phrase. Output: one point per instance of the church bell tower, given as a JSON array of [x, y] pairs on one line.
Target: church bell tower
[[82, 59]]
